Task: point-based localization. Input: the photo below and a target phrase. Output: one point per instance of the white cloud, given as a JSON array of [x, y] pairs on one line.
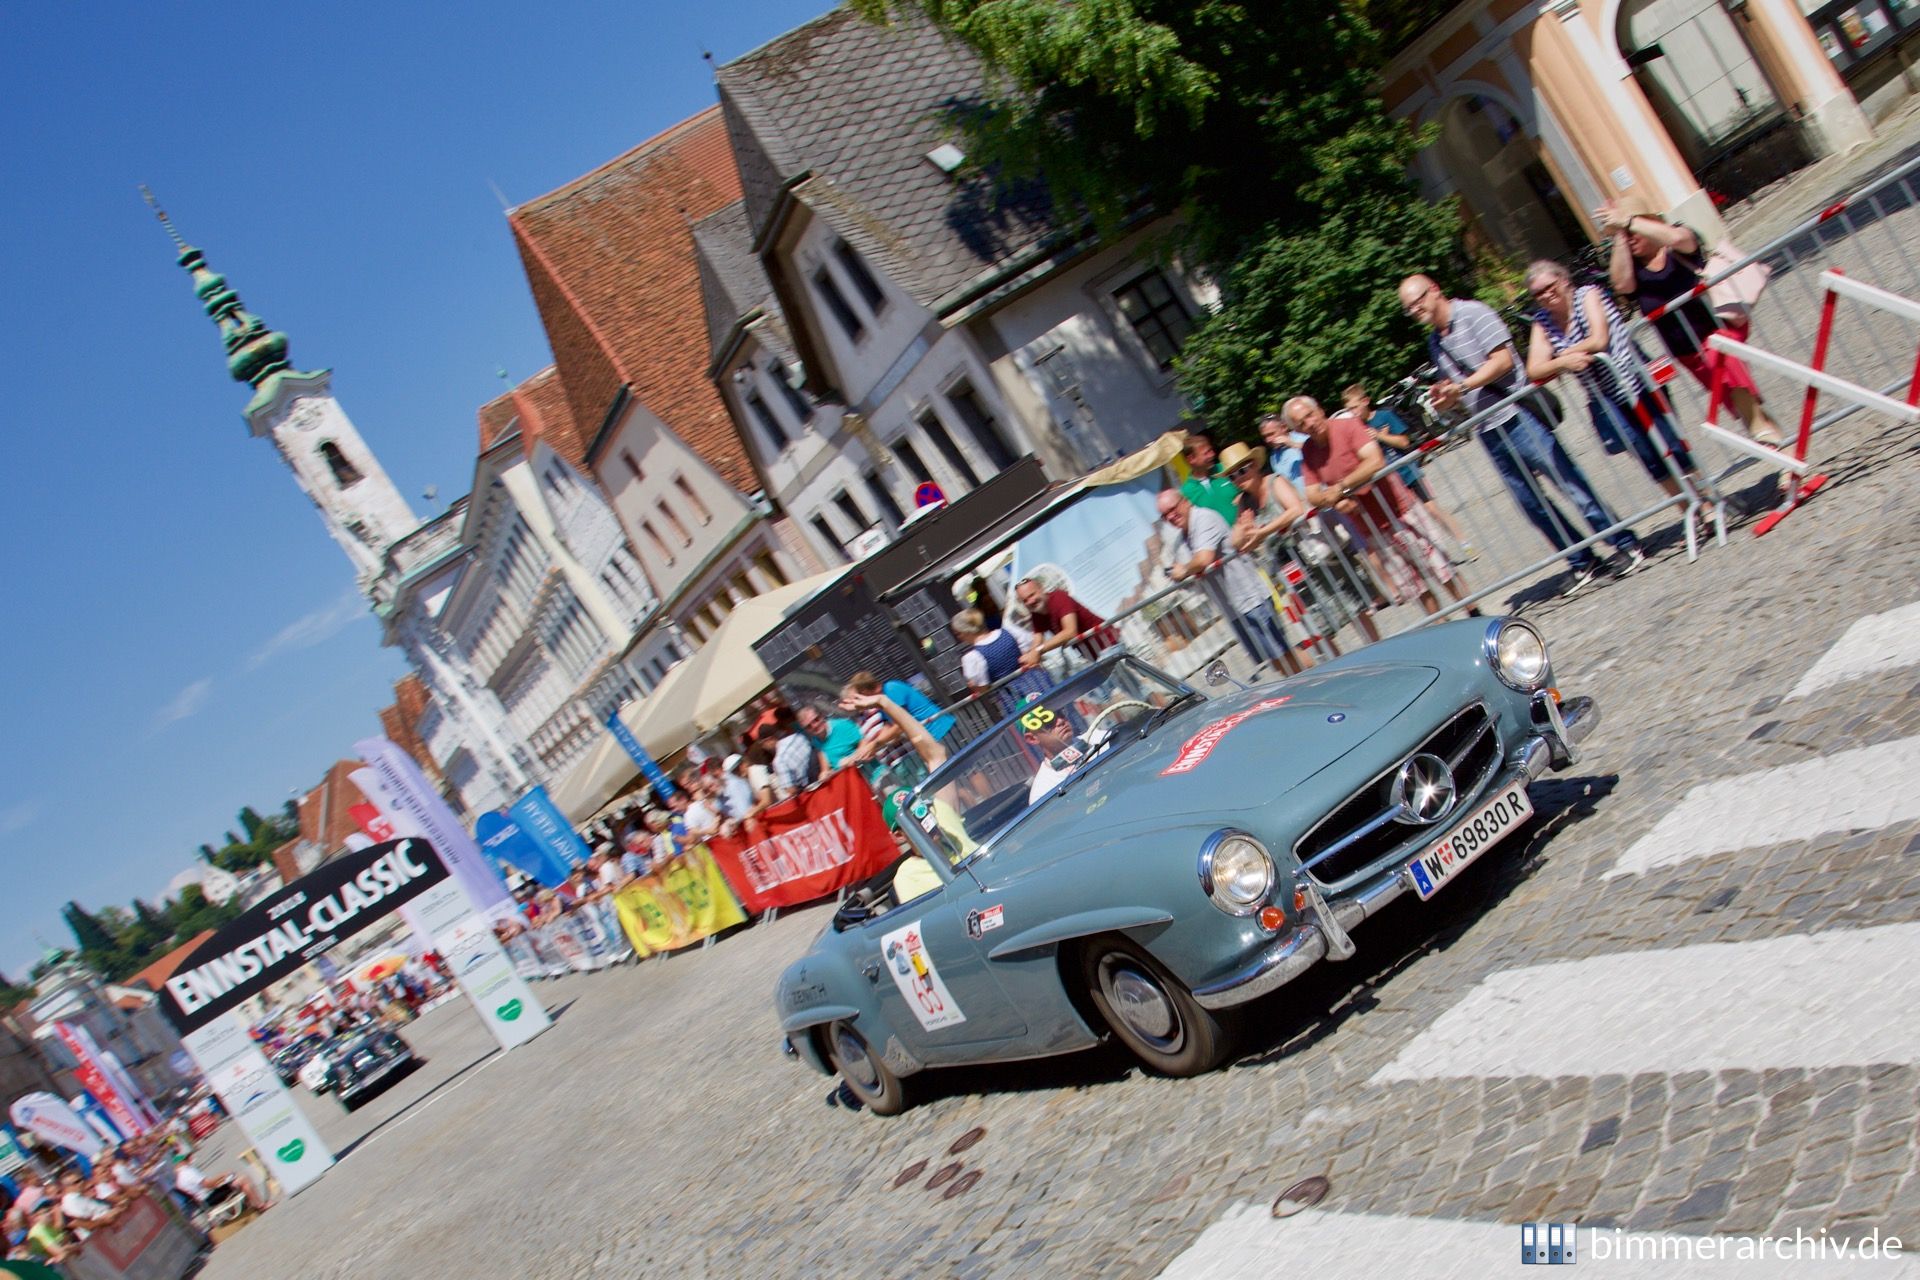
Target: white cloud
[[310, 629], [185, 703], [17, 817]]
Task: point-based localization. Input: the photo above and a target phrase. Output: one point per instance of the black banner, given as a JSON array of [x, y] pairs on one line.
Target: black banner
[[285, 931]]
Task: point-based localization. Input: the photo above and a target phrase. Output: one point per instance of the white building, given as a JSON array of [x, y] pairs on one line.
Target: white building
[[123, 1021], [944, 328]]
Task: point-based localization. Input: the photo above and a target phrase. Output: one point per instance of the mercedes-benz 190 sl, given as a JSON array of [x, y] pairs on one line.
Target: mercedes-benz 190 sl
[[1128, 855]]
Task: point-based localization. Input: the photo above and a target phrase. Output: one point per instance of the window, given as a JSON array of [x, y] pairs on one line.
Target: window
[[653, 536], [771, 567], [783, 377], [856, 268], [559, 483], [910, 459], [888, 506], [659, 669], [1156, 314], [985, 428], [828, 536], [344, 472], [757, 406], [520, 567], [851, 510], [570, 635], [693, 499], [686, 538], [937, 432], [639, 476], [837, 303]]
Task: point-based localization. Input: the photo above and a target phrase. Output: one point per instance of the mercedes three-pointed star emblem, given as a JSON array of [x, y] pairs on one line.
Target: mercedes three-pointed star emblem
[[1423, 791]]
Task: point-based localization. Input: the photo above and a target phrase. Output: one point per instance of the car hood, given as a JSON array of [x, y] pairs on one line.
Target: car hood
[[1222, 756]]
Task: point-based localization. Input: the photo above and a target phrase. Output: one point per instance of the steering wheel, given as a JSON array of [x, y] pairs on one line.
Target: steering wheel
[[1121, 705]]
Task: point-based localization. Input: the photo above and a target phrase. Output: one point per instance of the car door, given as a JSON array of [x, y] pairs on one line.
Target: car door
[[932, 980]]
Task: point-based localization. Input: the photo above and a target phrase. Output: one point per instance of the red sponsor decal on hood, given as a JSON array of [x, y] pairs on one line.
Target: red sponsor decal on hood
[[1201, 744]]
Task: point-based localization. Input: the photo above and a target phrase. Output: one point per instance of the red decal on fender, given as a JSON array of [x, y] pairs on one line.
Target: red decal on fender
[[1201, 744]]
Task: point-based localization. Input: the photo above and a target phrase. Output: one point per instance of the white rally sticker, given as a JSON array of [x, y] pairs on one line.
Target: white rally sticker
[[1197, 748], [908, 960]]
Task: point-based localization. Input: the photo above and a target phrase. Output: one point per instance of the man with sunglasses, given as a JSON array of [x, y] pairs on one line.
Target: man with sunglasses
[[1481, 367]]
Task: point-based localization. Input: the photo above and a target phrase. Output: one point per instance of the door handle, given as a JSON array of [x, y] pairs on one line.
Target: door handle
[[872, 970]]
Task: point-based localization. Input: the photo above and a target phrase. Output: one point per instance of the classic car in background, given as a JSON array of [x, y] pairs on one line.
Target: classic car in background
[[369, 1064], [1128, 855]]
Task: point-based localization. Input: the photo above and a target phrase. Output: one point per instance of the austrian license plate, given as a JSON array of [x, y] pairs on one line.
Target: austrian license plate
[[1440, 863]]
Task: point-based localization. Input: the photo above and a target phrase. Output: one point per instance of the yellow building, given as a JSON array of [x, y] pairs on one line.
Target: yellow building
[[1674, 106]]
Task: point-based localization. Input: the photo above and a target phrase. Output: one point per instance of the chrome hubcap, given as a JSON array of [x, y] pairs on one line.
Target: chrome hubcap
[[855, 1063], [1142, 1005]]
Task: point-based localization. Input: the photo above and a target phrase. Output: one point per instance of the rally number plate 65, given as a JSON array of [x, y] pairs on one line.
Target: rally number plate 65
[[1442, 861]]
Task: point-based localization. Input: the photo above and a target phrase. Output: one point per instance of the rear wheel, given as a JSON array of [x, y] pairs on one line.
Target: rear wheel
[[866, 1076], [1152, 1011]]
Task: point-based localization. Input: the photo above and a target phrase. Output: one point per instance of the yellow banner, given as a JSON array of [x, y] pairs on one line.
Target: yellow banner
[[678, 906]]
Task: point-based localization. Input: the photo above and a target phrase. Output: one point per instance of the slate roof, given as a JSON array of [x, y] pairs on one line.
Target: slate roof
[[610, 260], [843, 112], [732, 282]]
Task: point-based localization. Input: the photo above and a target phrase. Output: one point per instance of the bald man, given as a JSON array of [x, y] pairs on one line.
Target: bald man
[[1480, 367]]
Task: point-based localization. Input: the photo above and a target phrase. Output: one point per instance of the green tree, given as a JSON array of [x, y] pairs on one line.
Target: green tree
[[191, 912], [87, 930], [251, 823], [1258, 128], [13, 993]]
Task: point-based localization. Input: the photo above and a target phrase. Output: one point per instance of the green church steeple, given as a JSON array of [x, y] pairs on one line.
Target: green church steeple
[[255, 353]]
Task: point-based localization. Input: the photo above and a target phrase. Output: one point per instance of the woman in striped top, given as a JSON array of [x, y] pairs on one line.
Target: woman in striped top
[[1572, 326]]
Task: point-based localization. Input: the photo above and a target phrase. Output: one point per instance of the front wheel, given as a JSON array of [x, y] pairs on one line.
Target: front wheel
[[1151, 1011], [866, 1076]]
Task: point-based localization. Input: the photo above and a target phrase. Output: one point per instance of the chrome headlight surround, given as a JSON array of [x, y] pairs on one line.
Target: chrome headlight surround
[[1517, 655], [1236, 872]]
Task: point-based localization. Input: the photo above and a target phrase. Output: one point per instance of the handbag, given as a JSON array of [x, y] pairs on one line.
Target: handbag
[[1733, 293]]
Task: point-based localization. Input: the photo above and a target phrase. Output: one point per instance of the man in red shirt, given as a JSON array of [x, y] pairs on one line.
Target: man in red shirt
[[1057, 619], [1344, 470]]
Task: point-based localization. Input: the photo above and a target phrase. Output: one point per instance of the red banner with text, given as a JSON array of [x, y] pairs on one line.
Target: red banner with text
[[805, 848]]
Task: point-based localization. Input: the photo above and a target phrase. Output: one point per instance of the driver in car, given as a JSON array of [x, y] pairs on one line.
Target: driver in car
[[1061, 749]]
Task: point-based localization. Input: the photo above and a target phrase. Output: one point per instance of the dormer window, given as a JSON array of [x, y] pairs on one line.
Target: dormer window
[[837, 303], [856, 268], [345, 474]]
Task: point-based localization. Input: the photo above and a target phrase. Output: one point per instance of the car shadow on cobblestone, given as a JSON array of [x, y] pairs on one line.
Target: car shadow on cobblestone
[[1318, 1003]]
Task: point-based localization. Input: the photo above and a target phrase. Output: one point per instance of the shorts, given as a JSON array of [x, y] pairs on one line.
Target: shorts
[[1409, 555]]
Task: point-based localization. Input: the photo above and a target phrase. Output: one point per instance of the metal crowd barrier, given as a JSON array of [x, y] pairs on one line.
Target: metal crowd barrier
[[1527, 526]]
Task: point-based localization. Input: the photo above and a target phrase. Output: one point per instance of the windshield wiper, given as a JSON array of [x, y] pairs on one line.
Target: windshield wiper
[[1152, 722]]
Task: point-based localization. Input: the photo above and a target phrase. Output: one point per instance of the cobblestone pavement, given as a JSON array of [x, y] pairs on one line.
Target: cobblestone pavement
[[656, 1130]]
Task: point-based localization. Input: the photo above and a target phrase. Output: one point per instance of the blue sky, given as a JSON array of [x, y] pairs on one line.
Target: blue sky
[[184, 637]]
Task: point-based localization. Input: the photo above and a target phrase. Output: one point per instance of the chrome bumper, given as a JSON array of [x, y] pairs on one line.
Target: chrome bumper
[[1324, 928]]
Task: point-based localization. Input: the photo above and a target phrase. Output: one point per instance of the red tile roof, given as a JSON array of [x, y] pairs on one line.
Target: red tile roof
[[155, 975], [610, 260]]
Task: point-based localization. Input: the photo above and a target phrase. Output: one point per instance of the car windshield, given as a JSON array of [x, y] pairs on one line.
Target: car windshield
[[999, 776]]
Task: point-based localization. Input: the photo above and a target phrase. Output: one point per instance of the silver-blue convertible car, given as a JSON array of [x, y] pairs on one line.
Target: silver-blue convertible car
[[1126, 854]]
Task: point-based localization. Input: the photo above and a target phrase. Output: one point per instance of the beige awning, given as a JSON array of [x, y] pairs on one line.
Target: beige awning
[[586, 787], [721, 677], [1140, 462], [725, 673]]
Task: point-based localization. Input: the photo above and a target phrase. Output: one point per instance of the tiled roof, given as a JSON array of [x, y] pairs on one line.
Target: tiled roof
[[155, 975], [858, 106], [610, 260], [732, 283], [496, 416]]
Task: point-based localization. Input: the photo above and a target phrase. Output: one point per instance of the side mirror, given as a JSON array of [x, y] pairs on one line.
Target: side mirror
[[1217, 674]]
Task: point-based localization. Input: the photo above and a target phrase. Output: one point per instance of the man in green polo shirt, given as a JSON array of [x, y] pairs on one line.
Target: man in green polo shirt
[[1206, 486]]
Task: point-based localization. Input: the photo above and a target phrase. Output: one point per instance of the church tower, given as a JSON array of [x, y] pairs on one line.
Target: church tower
[[362, 509]]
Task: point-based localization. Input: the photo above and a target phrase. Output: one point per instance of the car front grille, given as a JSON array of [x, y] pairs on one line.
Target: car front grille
[[1361, 831]]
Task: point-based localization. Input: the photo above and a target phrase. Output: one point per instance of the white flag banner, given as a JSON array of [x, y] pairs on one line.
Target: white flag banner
[[46, 1116], [406, 797]]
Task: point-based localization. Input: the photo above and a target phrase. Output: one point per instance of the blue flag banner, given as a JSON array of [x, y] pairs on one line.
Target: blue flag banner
[[648, 765], [543, 825], [503, 840]]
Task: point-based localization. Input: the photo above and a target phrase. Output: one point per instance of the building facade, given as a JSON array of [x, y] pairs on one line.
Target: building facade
[[880, 317], [1546, 108], [124, 1021]]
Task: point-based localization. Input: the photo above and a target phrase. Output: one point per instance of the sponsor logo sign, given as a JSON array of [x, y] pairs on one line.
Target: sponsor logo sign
[[906, 956]]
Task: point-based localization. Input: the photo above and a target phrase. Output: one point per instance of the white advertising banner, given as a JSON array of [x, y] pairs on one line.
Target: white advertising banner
[[479, 964], [250, 1090], [46, 1116], [407, 800]]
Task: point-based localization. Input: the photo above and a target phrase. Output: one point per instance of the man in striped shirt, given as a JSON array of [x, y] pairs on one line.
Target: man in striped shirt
[[1480, 367]]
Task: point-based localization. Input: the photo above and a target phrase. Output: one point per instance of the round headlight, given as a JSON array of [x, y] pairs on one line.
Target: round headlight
[[1237, 873], [1519, 656]]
